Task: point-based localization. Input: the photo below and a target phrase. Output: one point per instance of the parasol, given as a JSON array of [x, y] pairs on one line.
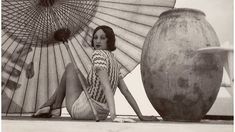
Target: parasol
[[33, 61]]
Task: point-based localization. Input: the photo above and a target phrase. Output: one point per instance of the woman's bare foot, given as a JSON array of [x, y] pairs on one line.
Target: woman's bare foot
[[43, 113], [47, 112]]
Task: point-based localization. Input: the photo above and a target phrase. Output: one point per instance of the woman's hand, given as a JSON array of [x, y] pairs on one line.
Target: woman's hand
[[123, 120], [124, 90], [112, 116], [148, 118]]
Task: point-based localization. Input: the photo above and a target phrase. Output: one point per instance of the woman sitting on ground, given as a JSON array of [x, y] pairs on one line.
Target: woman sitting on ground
[[102, 82]]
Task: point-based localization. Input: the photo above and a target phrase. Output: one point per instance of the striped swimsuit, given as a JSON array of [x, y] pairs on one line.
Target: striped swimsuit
[[102, 59]]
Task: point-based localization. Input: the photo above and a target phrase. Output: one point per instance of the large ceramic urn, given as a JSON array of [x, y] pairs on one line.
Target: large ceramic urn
[[181, 83]]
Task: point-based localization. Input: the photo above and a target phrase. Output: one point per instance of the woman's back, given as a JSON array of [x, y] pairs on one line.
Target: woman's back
[[102, 59]]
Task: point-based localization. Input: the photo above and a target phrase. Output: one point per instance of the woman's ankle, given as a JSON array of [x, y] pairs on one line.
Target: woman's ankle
[[56, 112]]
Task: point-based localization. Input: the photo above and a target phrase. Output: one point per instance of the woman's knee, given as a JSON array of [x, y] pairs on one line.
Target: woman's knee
[[70, 68], [70, 71]]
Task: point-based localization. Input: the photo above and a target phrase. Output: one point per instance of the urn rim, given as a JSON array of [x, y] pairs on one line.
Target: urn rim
[[182, 10]]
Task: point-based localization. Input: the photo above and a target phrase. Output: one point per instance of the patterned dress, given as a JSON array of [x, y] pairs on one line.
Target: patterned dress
[[103, 60]]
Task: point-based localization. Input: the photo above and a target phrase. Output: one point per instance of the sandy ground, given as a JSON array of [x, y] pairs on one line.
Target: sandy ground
[[66, 124]]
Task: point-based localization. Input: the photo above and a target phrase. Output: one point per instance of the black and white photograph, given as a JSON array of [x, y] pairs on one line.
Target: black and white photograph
[[117, 65]]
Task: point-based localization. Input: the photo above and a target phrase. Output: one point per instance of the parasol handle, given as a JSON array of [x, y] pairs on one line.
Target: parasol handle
[[82, 82]]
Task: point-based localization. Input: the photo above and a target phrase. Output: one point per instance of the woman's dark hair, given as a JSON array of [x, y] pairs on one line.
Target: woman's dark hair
[[110, 36]]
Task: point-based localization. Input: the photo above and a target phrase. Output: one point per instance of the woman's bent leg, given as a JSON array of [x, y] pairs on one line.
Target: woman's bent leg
[[73, 86], [54, 102], [69, 87], [58, 95]]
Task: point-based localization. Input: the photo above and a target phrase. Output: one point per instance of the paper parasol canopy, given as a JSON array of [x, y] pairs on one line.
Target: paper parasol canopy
[[33, 61]]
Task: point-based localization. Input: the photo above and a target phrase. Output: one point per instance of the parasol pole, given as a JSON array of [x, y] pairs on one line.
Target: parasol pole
[[63, 35]]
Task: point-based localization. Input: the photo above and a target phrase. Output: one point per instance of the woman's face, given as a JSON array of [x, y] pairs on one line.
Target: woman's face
[[100, 40]]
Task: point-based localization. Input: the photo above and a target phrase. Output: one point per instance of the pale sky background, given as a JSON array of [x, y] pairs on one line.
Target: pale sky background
[[219, 13]]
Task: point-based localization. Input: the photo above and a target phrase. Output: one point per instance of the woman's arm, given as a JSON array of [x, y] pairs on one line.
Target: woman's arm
[[103, 75], [130, 99]]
